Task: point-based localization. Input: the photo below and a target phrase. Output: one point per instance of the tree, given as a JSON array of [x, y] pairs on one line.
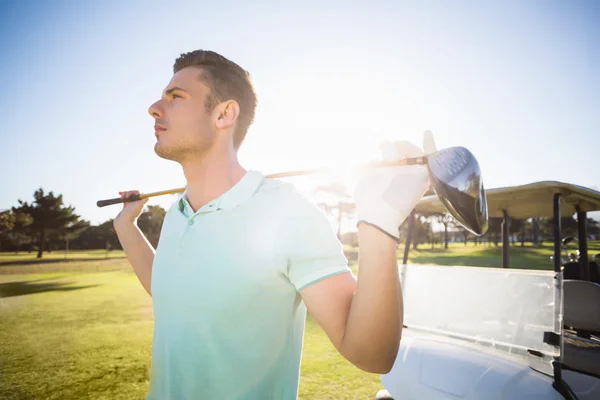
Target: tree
[[101, 236], [494, 230], [72, 232], [593, 227], [568, 227], [7, 222], [20, 233], [430, 217], [13, 228], [516, 226], [150, 222], [49, 216], [419, 231], [444, 219], [465, 232], [535, 231], [106, 234], [422, 229], [525, 226]]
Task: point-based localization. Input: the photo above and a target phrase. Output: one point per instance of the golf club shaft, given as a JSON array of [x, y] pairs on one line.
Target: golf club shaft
[[406, 161]]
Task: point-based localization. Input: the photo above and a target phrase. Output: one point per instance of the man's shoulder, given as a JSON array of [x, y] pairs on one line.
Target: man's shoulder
[[284, 194], [291, 209], [276, 188]]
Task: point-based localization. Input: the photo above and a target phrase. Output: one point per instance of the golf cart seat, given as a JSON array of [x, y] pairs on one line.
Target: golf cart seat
[[582, 313], [582, 355], [582, 305], [572, 270]]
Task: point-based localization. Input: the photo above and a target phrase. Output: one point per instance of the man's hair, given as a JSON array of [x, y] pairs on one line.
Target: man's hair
[[226, 81]]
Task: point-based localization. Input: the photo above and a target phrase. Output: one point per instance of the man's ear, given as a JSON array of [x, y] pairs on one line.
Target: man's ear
[[227, 114]]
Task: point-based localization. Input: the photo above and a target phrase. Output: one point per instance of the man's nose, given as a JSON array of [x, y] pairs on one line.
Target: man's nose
[[155, 110]]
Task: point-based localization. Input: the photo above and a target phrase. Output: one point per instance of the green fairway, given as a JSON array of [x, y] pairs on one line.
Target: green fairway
[[68, 335], [484, 255], [74, 336], [527, 257], [82, 328], [25, 257]]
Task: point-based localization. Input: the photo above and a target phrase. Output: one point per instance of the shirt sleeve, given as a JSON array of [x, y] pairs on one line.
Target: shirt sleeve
[[312, 249]]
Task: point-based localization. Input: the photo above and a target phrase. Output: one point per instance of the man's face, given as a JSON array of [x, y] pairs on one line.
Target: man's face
[[183, 129]]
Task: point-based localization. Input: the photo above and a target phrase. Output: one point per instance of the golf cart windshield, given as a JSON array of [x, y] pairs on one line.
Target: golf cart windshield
[[499, 308]]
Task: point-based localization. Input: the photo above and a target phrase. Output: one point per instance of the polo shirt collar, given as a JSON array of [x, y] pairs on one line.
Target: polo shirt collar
[[238, 194]]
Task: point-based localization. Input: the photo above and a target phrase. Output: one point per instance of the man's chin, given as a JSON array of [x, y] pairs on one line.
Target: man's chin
[[163, 153]]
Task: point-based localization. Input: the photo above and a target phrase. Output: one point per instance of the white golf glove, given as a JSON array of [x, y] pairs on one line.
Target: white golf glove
[[387, 195]]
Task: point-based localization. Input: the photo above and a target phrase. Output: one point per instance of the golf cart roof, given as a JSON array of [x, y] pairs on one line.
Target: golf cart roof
[[529, 201]]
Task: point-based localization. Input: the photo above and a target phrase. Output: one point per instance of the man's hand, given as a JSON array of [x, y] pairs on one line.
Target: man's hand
[[131, 210], [386, 196]]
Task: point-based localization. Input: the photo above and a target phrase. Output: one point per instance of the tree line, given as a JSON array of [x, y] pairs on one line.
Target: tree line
[[521, 231], [337, 203], [47, 224]]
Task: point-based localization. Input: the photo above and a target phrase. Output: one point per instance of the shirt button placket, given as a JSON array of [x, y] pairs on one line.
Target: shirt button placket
[[184, 237]]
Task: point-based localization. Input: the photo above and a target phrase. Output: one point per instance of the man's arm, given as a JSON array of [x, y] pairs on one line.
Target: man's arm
[[138, 249], [363, 320]]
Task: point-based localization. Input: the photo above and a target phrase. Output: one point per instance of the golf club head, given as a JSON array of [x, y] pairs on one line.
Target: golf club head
[[456, 178]]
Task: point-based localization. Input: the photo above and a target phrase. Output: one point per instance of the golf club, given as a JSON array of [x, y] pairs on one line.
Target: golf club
[[456, 178], [454, 174]]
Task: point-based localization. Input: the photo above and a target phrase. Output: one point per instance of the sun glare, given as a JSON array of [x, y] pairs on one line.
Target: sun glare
[[334, 120]]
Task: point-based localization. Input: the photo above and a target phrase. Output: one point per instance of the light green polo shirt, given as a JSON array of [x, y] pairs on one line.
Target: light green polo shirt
[[228, 316]]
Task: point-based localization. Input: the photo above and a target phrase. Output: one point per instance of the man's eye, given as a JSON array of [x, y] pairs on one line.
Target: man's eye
[[175, 96]]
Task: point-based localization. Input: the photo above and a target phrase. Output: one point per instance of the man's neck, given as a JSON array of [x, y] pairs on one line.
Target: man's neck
[[210, 177]]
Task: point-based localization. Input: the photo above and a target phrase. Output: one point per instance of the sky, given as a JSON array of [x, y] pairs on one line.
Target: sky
[[516, 82]]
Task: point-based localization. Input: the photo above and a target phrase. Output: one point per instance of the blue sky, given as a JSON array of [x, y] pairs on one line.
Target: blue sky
[[515, 82]]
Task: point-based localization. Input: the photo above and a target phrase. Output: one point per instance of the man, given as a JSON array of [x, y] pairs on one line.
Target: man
[[241, 258]]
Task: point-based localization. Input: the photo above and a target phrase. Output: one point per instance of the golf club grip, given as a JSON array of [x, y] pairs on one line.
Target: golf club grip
[[117, 200], [421, 160]]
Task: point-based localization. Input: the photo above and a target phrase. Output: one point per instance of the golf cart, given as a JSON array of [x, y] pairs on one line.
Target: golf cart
[[501, 333]]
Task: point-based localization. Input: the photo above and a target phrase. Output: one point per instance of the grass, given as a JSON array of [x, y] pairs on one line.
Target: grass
[[74, 336], [83, 329], [483, 255], [58, 255], [83, 335], [527, 257]]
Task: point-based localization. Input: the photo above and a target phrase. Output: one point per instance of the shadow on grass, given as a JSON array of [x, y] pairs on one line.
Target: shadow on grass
[[12, 289], [55, 261], [454, 260], [428, 250]]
